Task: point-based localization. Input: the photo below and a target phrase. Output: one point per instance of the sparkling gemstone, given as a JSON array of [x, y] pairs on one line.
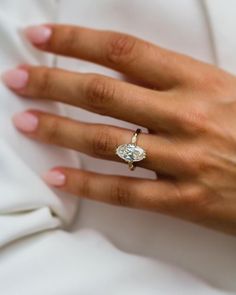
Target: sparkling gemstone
[[130, 152]]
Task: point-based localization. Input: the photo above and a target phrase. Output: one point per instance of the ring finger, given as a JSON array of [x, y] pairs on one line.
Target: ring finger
[[101, 141]]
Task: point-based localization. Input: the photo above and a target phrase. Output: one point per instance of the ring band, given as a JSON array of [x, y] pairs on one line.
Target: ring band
[[131, 152]]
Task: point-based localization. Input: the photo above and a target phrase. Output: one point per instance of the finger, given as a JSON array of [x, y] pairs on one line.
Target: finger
[[101, 141], [151, 109], [132, 56], [116, 190]]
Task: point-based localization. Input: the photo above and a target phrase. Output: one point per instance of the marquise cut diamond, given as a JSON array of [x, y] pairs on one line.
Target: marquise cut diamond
[[131, 152]]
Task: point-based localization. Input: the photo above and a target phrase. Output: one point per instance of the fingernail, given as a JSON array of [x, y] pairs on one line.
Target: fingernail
[[54, 178], [38, 35], [16, 79], [25, 122]]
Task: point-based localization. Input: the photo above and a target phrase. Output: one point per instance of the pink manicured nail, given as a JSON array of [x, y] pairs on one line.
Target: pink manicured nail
[[25, 122], [38, 35], [54, 178], [16, 79]]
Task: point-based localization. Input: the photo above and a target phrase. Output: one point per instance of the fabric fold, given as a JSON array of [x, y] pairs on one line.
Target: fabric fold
[[27, 205]]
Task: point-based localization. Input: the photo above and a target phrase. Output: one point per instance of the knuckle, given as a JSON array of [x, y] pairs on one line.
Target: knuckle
[[52, 131], [214, 82], [196, 119], [120, 194], [120, 48], [196, 196], [202, 164], [100, 93], [196, 161], [83, 187], [67, 41], [103, 143], [193, 162], [44, 83]]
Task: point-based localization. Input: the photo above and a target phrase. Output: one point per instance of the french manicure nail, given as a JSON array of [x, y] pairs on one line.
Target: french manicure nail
[[54, 178], [25, 122], [38, 35], [16, 78]]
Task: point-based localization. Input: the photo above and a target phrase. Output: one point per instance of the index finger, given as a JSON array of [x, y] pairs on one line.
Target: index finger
[[132, 56]]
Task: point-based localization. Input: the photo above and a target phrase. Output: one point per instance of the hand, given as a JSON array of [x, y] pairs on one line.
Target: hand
[[189, 106]]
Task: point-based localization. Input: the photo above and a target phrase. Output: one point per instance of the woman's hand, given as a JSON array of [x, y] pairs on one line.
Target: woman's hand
[[188, 106]]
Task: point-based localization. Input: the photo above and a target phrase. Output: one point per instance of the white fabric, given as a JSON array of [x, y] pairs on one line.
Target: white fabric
[[21, 159], [56, 261]]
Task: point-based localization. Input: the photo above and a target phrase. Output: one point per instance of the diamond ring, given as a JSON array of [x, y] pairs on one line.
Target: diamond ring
[[131, 152]]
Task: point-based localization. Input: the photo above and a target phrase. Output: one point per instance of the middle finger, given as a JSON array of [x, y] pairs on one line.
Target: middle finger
[[154, 110]]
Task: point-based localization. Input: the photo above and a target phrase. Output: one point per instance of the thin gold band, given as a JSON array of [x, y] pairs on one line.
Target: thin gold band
[[134, 140], [135, 136]]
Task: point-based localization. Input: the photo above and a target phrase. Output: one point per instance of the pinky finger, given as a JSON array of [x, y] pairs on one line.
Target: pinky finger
[[154, 195]]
